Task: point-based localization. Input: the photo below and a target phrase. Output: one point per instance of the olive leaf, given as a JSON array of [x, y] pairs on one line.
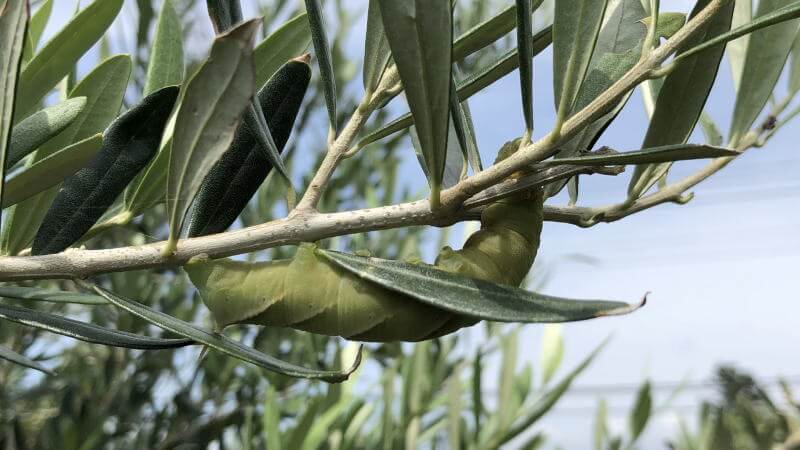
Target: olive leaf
[[218, 341], [288, 41], [682, 97], [376, 48], [642, 409], [51, 170], [87, 332], [666, 153], [211, 107], [36, 25], [22, 360], [576, 26], [128, 146], [224, 14], [472, 297], [104, 88], [13, 21], [737, 48], [165, 67], [552, 351], [767, 51], [710, 130], [41, 126], [525, 54], [50, 295], [794, 68], [324, 59], [461, 122], [60, 54], [668, 23], [471, 85], [420, 35]]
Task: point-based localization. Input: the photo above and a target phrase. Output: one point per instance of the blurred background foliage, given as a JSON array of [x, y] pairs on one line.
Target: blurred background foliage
[[429, 395]]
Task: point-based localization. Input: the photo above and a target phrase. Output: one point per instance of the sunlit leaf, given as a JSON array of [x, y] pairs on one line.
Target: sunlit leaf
[[13, 22], [376, 48], [51, 170], [211, 108], [36, 25], [165, 67], [41, 126], [472, 297], [420, 35], [737, 48], [288, 41], [766, 55], [60, 54], [682, 97], [552, 352]]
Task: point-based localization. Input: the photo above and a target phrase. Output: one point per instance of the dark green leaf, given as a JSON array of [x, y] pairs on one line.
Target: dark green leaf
[[51, 170], [49, 295], [576, 25], [13, 22], [288, 41], [525, 54], [325, 62], [218, 341], [224, 14], [22, 360], [420, 35], [682, 97], [641, 411], [166, 58], [88, 332], [59, 56], [667, 153], [103, 88], [41, 126], [128, 146], [376, 48], [472, 297], [766, 55], [211, 107]]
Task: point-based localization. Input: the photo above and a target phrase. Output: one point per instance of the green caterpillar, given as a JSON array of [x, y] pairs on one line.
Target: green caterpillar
[[310, 293]]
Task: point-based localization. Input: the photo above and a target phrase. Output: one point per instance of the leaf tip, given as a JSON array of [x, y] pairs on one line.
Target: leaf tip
[[304, 58], [622, 310]]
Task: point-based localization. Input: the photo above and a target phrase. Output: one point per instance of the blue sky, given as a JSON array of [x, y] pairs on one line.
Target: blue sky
[[719, 268]]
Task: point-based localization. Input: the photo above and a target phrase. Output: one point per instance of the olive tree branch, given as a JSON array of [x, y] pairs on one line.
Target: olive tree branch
[[452, 198]]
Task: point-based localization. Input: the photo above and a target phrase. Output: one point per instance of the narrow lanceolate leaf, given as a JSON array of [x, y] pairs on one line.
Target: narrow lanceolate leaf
[[22, 360], [376, 48], [288, 41], [128, 146], [736, 49], [13, 21], [472, 297], [668, 23], [641, 412], [488, 31], [323, 53], [474, 83], [618, 48], [766, 55], [103, 88], [87, 332], [49, 295], [710, 130], [682, 98], [211, 108], [60, 54], [525, 54], [420, 35], [666, 153], [794, 68], [224, 14], [36, 27], [218, 341], [537, 410], [576, 24], [50, 171], [41, 126], [464, 129], [165, 67]]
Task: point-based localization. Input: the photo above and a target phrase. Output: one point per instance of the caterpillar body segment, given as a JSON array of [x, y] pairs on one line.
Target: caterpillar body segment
[[308, 292]]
